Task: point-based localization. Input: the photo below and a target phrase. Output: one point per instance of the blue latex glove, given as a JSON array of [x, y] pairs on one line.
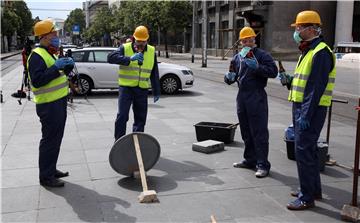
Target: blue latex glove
[[284, 78], [64, 61], [252, 63], [137, 56], [303, 123], [229, 78], [156, 98]]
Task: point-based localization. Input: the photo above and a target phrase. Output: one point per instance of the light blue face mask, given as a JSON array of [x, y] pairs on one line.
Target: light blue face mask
[[55, 42], [244, 51], [297, 37]]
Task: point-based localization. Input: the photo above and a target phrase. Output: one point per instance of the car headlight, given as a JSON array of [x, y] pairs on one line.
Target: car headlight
[[187, 72]]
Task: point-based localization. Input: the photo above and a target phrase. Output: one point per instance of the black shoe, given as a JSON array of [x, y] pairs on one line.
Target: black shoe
[[244, 164], [60, 174], [52, 183], [296, 194], [299, 205]]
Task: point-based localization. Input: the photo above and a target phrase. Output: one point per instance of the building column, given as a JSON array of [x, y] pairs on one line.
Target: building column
[[217, 26], [231, 23], [344, 21]]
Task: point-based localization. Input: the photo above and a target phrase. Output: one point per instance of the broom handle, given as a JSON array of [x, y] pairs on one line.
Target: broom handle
[[140, 163]]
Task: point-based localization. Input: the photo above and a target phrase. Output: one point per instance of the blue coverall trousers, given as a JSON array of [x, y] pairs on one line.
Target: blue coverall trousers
[[252, 111], [53, 118], [306, 153], [138, 98]]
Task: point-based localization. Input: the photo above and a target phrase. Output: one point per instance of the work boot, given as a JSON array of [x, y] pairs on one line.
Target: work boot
[[298, 205], [60, 174], [244, 164], [296, 194], [54, 182], [260, 173]]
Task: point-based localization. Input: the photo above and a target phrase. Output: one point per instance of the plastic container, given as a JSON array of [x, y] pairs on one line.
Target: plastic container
[[322, 148], [223, 132]]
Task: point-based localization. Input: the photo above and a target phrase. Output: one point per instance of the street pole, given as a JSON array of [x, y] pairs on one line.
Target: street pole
[[193, 33], [204, 34]]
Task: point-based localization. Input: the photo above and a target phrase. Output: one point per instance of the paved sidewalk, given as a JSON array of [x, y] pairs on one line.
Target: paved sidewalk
[[191, 186]]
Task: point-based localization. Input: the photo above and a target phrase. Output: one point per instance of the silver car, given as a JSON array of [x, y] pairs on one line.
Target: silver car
[[96, 73]]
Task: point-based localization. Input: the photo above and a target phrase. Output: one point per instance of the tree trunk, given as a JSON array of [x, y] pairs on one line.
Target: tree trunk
[[166, 44]]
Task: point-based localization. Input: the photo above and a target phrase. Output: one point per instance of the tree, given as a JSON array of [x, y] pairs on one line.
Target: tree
[[76, 17], [10, 22], [26, 21], [103, 24], [164, 15]]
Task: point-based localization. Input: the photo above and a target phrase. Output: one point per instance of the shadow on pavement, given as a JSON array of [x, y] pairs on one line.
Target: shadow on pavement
[[80, 197], [332, 196], [159, 184]]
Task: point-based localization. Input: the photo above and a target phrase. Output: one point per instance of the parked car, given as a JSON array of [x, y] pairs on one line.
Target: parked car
[[96, 73], [344, 48]]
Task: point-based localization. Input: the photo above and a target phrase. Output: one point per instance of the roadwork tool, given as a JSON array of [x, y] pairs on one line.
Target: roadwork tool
[[133, 154], [352, 212]]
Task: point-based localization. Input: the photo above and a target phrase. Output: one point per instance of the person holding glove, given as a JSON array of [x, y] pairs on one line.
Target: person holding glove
[[250, 69], [311, 93], [50, 88], [138, 66]]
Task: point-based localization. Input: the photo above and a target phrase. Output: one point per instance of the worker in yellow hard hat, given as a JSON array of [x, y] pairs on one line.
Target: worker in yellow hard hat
[[251, 69], [50, 88], [311, 89], [138, 68]]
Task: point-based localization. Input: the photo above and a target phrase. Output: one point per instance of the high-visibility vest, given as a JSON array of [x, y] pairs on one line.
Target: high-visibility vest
[[134, 75], [302, 73], [55, 89]]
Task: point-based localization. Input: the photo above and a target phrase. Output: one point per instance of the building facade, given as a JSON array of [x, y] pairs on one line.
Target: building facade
[[271, 21]]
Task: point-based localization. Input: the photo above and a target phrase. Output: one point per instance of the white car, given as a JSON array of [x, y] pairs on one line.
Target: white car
[[96, 73]]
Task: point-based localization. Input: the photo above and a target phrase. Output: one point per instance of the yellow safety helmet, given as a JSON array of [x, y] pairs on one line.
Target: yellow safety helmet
[[246, 32], [307, 17], [141, 33], [44, 27]]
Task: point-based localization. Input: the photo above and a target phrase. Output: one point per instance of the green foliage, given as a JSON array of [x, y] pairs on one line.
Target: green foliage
[[10, 21], [76, 17], [26, 21]]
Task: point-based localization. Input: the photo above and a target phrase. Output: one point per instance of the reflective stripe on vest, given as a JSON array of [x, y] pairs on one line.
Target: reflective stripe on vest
[[134, 75], [56, 88], [302, 72]]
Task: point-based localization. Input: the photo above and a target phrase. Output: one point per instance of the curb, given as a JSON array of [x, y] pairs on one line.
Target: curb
[[10, 55]]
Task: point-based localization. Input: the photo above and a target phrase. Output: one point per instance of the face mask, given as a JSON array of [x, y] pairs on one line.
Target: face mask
[[244, 51], [55, 42], [297, 37]]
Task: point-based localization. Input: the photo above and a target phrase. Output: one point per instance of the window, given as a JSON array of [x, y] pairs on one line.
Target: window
[[78, 56], [91, 57], [101, 56]]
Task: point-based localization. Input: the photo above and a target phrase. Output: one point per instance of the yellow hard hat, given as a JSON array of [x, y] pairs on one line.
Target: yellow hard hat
[[307, 17], [141, 33], [44, 27], [246, 32]]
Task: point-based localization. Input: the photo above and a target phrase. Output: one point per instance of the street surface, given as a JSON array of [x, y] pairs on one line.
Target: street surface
[[191, 186]]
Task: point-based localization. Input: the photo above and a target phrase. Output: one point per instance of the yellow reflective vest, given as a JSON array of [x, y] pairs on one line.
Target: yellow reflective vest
[[55, 89], [302, 72], [134, 75]]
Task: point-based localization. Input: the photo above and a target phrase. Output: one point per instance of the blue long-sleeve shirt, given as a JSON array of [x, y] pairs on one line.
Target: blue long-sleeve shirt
[[249, 78], [118, 57], [40, 75], [322, 65]]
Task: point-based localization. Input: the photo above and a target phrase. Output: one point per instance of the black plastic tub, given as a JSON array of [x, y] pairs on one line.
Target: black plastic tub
[[223, 132], [322, 149]]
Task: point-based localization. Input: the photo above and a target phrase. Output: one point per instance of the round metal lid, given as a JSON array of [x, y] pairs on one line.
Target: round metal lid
[[122, 156]]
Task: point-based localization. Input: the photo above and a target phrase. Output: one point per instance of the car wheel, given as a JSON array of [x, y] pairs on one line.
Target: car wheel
[[86, 85], [170, 84]]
